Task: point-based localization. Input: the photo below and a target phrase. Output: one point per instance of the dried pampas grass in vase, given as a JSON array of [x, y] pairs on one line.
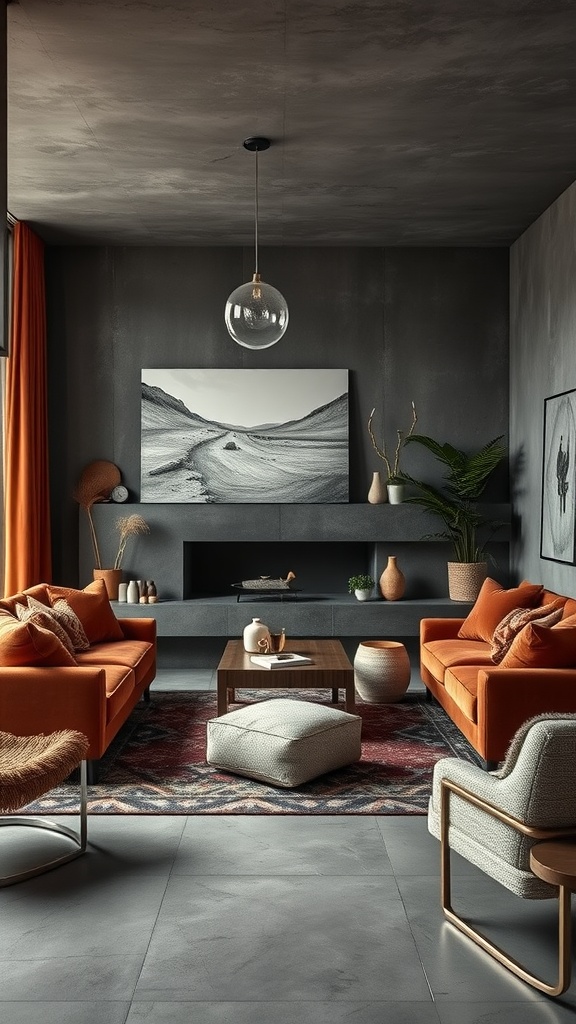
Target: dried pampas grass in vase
[[128, 526]]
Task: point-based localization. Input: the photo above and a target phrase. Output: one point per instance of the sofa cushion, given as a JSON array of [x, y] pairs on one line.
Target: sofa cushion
[[135, 654], [93, 608], [69, 621], [461, 683], [492, 604], [40, 615], [438, 655], [24, 643], [514, 621], [539, 646]]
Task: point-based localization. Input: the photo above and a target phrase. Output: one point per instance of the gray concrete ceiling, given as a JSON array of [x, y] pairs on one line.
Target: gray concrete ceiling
[[394, 122]]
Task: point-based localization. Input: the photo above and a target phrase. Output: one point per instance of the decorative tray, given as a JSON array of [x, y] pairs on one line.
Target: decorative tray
[[268, 591]]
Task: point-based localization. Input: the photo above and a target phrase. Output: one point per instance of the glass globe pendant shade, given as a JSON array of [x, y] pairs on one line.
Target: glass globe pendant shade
[[256, 314]]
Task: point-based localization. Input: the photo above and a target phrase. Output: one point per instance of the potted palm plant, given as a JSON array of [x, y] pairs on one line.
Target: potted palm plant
[[456, 505]]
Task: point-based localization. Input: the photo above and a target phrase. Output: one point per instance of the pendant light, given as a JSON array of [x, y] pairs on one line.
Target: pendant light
[[256, 313]]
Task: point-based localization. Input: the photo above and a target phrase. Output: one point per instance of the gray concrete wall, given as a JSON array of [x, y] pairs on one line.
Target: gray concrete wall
[[428, 325], [542, 363]]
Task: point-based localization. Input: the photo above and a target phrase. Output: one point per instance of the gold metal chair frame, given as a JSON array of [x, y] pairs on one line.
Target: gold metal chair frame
[[564, 894], [79, 839]]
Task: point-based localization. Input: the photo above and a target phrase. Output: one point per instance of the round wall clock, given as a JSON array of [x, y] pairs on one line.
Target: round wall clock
[[119, 493]]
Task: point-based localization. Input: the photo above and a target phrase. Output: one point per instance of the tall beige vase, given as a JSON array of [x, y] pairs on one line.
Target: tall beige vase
[[377, 494], [392, 581]]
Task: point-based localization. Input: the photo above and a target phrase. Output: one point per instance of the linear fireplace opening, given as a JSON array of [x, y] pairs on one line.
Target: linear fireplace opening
[[210, 568]]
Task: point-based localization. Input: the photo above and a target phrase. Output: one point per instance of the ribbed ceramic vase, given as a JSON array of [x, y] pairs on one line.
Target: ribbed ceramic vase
[[377, 494], [392, 581], [465, 579], [381, 671]]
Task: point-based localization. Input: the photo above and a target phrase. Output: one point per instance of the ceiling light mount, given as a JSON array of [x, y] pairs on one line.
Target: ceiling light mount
[[256, 144], [256, 314]]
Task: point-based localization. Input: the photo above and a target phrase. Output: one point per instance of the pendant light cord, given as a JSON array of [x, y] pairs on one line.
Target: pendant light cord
[[256, 216]]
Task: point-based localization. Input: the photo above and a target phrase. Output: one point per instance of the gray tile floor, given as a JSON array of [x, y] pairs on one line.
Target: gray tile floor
[[258, 919]]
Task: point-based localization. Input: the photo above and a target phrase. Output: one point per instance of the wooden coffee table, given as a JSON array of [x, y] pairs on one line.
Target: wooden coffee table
[[330, 670]]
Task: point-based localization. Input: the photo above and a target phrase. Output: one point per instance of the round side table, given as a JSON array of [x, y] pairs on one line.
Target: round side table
[[381, 671], [554, 861]]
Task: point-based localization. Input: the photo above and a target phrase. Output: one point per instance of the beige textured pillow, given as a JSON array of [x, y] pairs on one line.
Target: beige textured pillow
[[69, 621], [40, 615], [517, 619]]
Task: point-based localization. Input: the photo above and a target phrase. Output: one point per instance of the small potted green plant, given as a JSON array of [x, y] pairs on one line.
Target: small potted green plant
[[362, 586]]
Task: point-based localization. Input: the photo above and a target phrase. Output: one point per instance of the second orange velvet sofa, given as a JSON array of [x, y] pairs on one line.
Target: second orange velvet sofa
[[488, 700]]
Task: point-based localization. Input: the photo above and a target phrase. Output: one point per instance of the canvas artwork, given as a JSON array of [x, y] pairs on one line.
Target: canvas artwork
[[559, 478], [262, 436]]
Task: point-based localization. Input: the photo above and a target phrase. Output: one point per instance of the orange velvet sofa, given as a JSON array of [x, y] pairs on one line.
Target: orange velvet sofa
[[45, 686], [489, 701]]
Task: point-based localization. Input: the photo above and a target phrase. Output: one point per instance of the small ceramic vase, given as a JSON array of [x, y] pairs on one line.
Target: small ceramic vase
[[253, 633], [392, 581], [133, 593], [377, 494], [123, 593]]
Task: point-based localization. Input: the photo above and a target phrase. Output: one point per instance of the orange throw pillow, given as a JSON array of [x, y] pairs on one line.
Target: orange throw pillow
[[23, 643], [544, 614], [93, 608], [492, 604], [539, 646]]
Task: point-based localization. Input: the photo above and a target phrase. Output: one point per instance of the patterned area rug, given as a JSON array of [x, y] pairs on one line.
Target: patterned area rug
[[157, 764]]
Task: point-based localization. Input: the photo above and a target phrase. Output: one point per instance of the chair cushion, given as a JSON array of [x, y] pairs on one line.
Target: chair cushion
[[492, 604], [283, 742]]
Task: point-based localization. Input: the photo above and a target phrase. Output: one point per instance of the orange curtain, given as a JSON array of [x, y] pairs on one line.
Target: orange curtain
[[28, 557]]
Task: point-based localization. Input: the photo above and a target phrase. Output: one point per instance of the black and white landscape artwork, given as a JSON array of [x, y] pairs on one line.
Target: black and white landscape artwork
[[265, 436], [558, 541]]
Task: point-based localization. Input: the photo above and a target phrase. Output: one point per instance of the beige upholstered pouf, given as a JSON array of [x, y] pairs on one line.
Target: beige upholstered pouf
[[284, 742]]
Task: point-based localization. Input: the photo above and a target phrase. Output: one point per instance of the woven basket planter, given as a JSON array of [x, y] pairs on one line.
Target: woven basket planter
[[465, 579], [381, 671]]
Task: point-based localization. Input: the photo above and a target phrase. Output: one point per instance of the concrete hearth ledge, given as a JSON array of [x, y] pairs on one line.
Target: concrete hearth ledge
[[313, 615]]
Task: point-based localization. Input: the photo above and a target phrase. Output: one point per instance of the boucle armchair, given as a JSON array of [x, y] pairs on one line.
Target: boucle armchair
[[493, 820]]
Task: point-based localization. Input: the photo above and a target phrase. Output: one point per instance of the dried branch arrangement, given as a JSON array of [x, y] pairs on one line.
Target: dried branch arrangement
[[392, 467]]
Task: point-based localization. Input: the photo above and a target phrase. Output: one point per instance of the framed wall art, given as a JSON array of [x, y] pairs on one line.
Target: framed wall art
[[559, 478], [235, 436]]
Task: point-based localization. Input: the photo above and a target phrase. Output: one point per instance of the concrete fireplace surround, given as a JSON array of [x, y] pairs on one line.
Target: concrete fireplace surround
[[373, 531]]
